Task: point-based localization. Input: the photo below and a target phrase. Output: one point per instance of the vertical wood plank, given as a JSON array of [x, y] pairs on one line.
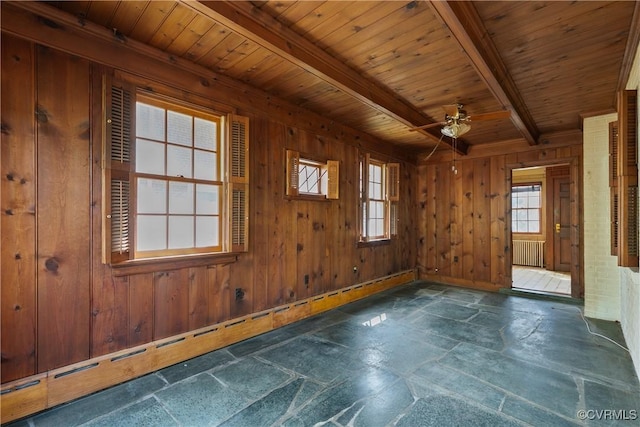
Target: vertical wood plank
[[63, 216], [283, 248], [260, 221], [140, 309], [220, 297], [409, 225], [304, 277], [17, 259], [198, 297], [467, 220], [482, 220], [456, 218], [109, 313], [432, 219], [499, 244], [443, 211], [171, 303]]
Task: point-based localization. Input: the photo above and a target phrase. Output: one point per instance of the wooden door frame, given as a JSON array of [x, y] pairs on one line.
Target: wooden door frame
[[577, 218]]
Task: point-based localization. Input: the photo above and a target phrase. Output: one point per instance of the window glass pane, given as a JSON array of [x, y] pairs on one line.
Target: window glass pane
[[375, 173], [207, 231], [534, 215], [520, 202], [534, 200], [149, 157], [180, 232], [179, 161], [308, 178], [179, 128], [375, 191], [534, 227], [151, 232], [376, 227], [207, 199], [152, 195], [149, 122], [522, 226], [180, 198], [205, 134], [205, 166]]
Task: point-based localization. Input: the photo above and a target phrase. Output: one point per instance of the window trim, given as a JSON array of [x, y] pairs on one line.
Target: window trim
[[218, 181], [293, 160], [390, 181], [233, 170]]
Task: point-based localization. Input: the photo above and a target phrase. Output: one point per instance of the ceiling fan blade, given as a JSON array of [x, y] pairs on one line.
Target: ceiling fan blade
[[495, 115], [430, 125]]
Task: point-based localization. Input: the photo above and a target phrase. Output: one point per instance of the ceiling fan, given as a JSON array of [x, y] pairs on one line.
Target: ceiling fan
[[457, 121]]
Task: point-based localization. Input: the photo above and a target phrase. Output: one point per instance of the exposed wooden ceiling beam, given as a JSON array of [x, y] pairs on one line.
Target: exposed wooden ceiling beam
[[264, 30], [630, 50], [467, 28]]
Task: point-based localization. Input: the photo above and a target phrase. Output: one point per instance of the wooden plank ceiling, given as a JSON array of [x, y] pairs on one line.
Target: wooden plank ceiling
[[384, 67]]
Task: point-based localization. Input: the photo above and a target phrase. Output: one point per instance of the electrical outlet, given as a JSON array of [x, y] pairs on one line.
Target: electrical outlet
[[239, 294], [455, 258], [306, 280]]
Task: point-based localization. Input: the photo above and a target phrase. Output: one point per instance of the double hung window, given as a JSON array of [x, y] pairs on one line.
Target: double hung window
[[526, 203], [176, 178], [379, 195]]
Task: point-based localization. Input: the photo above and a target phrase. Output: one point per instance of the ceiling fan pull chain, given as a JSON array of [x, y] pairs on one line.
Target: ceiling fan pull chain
[[453, 148]]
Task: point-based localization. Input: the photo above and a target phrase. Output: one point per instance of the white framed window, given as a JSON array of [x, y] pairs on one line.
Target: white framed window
[[379, 196], [175, 179], [311, 178], [526, 208]]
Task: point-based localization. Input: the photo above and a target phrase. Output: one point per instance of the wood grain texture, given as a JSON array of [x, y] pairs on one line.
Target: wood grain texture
[[18, 221], [140, 309], [63, 215], [170, 303]]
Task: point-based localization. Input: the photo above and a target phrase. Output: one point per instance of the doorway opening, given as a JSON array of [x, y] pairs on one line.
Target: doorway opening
[[541, 229]]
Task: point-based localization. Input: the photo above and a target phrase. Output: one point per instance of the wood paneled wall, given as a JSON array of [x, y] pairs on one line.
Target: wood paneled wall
[[61, 305], [465, 214]]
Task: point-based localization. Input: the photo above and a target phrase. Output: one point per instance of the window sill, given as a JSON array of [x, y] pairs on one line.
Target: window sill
[[152, 265], [372, 243], [308, 197]]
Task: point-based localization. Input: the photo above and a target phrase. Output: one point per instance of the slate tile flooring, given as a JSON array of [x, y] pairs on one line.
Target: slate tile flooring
[[420, 355]]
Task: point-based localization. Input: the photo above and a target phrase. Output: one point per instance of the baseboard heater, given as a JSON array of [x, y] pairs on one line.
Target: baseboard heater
[[35, 393], [528, 252]]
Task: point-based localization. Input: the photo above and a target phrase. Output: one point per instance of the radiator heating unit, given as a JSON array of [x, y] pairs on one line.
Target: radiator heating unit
[[528, 252]]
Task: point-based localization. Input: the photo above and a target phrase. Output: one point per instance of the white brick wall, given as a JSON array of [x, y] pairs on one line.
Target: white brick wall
[[630, 278], [611, 292], [602, 278]]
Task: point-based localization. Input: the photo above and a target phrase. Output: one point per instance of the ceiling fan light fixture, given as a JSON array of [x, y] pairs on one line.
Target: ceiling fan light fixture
[[455, 130]]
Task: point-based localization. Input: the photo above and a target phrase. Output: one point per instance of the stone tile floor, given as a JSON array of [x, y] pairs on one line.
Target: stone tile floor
[[419, 355]]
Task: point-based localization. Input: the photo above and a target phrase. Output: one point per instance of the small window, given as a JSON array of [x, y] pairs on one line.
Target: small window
[[379, 189], [311, 178], [526, 208]]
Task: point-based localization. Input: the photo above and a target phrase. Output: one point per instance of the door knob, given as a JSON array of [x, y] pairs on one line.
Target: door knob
[[557, 228]]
